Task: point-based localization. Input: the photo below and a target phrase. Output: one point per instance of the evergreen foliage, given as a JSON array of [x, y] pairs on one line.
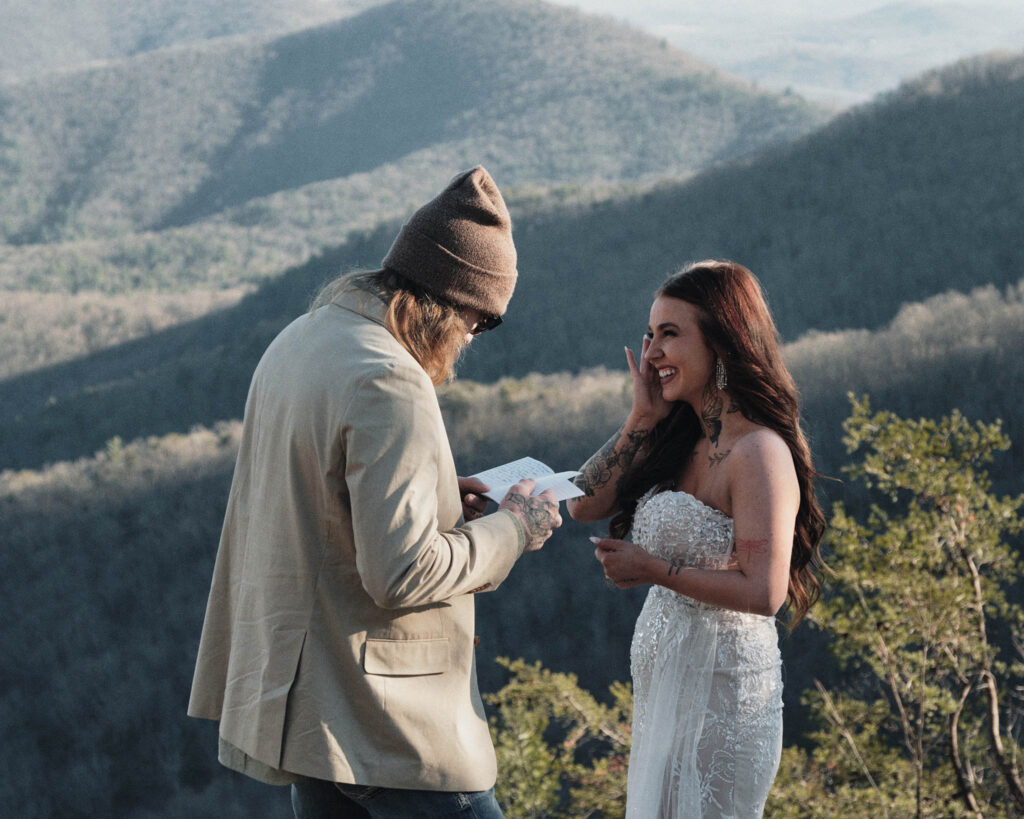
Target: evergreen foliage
[[927, 719], [560, 752], [924, 618]]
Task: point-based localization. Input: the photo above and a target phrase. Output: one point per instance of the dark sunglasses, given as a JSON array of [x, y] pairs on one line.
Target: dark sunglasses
[[485, 324]]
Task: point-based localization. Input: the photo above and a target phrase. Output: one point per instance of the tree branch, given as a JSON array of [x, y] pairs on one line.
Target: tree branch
[[845, 733], [1005, 765], [965, 778]]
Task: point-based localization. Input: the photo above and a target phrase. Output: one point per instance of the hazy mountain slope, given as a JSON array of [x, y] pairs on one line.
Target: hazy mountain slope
[[45, 35], [41, 329], [918, 194], [850, 57], [538, 93]]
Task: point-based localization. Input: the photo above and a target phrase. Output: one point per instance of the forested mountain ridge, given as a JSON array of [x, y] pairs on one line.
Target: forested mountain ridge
[[287, 144], [917, 194]]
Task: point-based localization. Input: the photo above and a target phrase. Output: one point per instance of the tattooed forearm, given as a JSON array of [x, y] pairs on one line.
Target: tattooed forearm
[[675, 566], [599, 470]]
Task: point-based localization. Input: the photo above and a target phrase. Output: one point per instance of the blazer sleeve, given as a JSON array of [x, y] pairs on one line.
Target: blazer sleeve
[[394, 439]]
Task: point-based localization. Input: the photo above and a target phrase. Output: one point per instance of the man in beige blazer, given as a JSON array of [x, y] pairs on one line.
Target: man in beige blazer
[[337, 650]]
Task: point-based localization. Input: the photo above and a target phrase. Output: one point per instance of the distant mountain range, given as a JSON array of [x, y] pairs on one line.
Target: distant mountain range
[[917, 194], [290, 143], [843, 52]]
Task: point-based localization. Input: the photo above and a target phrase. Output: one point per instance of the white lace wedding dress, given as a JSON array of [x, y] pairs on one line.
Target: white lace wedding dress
[[707, 681]]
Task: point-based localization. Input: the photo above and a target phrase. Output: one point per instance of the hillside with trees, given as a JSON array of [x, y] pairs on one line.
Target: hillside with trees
[[230, 159], [925, 194]]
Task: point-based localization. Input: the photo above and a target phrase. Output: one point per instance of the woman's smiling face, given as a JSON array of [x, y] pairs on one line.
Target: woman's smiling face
[[678, 352]]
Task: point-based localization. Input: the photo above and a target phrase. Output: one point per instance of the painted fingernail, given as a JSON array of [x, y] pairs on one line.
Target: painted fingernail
[[595, 539]]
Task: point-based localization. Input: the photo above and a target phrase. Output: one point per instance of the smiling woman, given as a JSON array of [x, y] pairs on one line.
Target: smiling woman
[[711, 479]]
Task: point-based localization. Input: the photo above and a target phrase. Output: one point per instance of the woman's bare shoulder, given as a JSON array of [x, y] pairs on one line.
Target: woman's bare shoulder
[[760, 449]]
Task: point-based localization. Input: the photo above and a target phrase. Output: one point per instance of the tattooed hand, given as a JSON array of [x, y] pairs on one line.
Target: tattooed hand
[[538, 513]]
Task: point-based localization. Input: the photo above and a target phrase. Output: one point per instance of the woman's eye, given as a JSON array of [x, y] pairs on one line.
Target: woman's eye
[[649, 335]]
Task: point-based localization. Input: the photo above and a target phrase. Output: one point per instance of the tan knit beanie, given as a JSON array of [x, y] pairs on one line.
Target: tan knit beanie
[[459, 246]]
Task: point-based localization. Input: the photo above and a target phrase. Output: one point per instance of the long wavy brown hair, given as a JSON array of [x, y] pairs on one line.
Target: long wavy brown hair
[[432, 330], [736, 323]]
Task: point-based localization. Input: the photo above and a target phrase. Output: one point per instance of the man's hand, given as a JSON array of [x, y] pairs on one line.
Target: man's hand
[[474, 504], [538, 514]]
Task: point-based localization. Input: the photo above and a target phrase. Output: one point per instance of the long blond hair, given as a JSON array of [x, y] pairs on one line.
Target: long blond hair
[[432, 330]]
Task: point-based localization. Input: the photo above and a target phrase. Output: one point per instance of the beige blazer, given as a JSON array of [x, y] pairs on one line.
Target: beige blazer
[[338, 640]]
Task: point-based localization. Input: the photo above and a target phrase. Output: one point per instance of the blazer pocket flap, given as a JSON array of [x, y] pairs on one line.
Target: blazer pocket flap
[[400, 658]]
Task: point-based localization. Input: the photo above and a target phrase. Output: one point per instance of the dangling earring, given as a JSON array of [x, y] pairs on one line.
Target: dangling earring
[[720, 379]]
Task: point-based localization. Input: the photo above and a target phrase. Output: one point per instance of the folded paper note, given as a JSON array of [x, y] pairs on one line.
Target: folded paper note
[[501, 478]]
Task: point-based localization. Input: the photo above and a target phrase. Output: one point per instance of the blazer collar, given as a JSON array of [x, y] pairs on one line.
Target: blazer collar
[[359, 297]]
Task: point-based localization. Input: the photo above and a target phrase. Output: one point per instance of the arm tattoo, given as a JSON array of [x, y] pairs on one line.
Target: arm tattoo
[[757, 547], [598, 471], [675, 566]]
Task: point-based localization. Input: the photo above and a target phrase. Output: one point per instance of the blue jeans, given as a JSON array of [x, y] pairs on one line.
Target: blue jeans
[[318, 799]]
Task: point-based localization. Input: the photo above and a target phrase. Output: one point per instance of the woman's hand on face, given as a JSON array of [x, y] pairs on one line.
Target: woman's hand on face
[[648, 405], [625, 564]]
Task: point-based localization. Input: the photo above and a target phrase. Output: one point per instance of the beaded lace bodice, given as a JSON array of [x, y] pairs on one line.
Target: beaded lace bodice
[[706, 680], [676, 524]]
